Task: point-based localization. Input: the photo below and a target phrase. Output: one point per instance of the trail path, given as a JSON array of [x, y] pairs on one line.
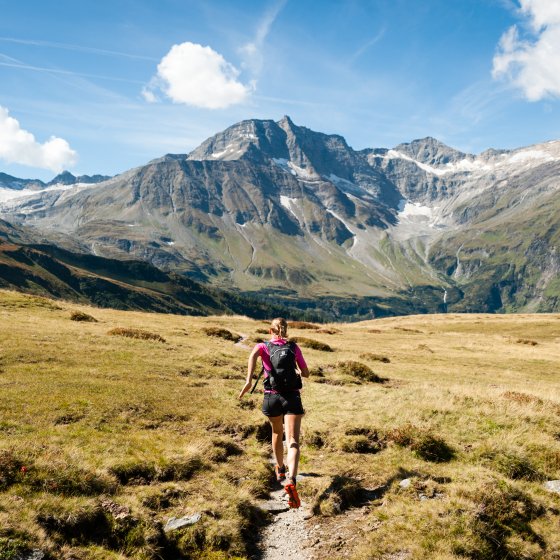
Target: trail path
[[286, 537], [293, 535], [242, 340]]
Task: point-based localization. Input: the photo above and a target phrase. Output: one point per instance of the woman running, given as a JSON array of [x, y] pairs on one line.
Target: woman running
[[284, 367]]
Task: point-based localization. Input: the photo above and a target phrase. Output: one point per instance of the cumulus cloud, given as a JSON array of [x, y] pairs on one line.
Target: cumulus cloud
[[532, 65], [19, 146], [199, 76]]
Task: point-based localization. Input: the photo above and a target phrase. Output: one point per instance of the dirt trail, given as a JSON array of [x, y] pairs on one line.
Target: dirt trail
[[287, 536]]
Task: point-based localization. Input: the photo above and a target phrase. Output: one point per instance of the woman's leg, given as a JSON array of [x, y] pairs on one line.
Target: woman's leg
[[293, 425], [277, 423]]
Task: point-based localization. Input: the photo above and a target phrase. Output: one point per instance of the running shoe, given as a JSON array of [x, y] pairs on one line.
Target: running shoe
[[293, 497], [280, 473]]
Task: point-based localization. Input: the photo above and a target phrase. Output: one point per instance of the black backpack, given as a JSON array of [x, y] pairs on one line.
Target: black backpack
[[283, 376]]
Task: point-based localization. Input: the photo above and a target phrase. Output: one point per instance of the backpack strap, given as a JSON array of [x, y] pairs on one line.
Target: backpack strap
[[257, 381]]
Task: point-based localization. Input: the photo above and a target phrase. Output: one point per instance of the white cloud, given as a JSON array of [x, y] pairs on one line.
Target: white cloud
[[19, 146], [199, 76], [532, 66]]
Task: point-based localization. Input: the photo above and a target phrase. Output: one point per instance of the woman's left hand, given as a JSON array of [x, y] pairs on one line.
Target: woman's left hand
[[245, 389]]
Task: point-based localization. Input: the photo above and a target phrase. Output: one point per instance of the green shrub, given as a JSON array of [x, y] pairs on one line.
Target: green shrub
[[179, 469], [425, 444], [358, 370], [69, 480], [315, 438], [512, 464], [302, 325], [310, 343], [500, 522], [342, 493], [222, 333], [136, 333], [134, 472], [81, 316], [375, 357], [10, 469], [14, 546]]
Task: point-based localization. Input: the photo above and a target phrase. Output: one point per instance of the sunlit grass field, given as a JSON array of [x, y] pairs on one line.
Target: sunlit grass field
[[104, 437]]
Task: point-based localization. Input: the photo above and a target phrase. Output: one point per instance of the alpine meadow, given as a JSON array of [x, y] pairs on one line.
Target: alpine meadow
[[116, 422]]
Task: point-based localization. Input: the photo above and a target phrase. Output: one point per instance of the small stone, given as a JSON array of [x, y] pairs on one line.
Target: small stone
[[553, 485], [35, 554], [405, 483], [274, 507], [176, 523]]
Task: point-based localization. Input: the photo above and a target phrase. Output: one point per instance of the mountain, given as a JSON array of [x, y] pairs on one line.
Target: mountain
[[66, 178], [288, 214], [9, 182]]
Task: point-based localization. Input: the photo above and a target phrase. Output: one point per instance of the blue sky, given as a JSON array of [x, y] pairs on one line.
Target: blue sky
[[119, 83]]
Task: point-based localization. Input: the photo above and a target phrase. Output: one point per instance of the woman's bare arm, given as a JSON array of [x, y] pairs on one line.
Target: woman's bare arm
[[251, 364]]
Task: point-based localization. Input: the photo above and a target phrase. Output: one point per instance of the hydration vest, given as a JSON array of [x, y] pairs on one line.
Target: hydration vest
[[283, 376]]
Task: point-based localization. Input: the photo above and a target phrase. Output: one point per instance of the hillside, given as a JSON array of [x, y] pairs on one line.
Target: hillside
[[48, 270], [442, 454]]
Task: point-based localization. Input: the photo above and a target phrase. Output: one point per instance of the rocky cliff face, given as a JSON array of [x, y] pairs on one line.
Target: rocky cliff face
[[270, 205]]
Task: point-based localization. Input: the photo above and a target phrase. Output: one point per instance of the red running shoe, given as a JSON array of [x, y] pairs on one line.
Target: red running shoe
[[293, 497]]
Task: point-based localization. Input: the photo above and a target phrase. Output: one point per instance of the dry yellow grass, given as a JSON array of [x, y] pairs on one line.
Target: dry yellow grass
[[90, 423]]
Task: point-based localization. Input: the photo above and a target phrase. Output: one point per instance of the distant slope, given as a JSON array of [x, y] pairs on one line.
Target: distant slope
[[51, 271]]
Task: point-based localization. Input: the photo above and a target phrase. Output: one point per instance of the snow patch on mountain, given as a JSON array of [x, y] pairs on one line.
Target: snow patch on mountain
[[409, 209], [394, 154], [541, 153], [288, 203], [10, 194], [10, 199], [299, 172], [218, 155]]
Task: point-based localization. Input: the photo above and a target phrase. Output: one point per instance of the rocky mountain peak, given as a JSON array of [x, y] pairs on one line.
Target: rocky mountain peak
[[239, 140], [431, 151], [64, 178], [67, 178]]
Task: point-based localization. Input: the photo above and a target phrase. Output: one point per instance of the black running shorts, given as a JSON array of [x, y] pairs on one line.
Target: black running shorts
[[276, 404]]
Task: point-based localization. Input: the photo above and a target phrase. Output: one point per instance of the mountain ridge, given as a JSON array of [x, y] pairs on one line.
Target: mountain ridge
[[267, 205]]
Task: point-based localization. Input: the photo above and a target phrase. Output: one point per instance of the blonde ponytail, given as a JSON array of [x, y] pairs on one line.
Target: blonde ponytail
[[279, 327]]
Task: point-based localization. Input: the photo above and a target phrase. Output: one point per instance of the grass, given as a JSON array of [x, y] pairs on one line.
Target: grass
[[104, 438]]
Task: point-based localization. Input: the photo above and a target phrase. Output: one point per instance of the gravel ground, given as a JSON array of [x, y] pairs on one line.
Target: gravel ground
[[286, 537]]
